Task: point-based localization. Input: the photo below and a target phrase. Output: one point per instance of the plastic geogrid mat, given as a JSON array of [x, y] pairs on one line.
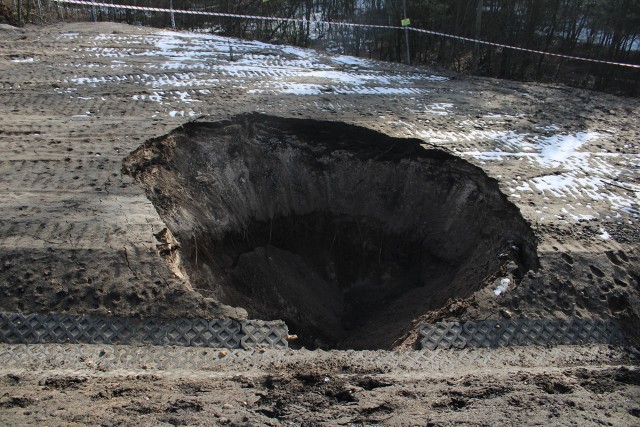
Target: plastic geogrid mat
[[520, 332], [17, 328]]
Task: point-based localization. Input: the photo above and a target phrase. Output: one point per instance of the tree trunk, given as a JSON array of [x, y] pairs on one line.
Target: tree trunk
[[476, 46]]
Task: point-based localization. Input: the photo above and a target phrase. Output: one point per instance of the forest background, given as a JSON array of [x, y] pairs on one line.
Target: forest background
[[600, 29]]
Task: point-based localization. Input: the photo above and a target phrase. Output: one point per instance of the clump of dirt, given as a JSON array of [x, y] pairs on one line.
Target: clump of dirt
[[345, 233], [607, 380], [325, 391]]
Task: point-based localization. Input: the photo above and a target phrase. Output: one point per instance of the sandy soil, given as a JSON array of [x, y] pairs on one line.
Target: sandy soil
[[79, 236], [526, 386], [578, 396]]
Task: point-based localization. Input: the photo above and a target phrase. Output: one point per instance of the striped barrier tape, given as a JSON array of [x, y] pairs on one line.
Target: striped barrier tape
[[344, 24], [220, 14], [523, 49]]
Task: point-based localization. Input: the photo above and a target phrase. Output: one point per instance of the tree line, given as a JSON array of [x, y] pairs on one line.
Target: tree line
[[602, 29]]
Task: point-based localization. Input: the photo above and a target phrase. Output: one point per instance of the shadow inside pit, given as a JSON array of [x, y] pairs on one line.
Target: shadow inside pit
[[345, 233]]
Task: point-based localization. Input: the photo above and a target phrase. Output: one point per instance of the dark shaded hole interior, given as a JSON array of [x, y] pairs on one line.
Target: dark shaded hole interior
[[345, 233]]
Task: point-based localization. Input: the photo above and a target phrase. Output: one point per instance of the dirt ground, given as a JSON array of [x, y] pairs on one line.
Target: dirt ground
[[78, 235], [590, 385]]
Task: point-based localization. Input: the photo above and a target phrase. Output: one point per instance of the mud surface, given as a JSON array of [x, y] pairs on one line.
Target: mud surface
[[78, 235], [594, 397], [586, 386]]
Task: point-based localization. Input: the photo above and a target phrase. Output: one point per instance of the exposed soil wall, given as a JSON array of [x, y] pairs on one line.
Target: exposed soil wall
[[344, 233]]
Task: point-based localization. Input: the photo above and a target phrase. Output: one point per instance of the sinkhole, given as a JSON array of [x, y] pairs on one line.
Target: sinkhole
[[344, 233]]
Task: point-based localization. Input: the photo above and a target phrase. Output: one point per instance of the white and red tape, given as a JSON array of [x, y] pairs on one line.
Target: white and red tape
[[344, 24]]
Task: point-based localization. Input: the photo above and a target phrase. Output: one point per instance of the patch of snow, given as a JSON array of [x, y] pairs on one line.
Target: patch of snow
[[558, 149], [549, 128], [524, 187], [579, 218], [347, 78], [438, 109], [503, 286], [350, 60], [254, 66], [317, 89], [434, 78]]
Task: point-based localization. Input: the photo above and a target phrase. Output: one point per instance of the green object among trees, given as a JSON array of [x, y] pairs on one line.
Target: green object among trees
[[405, 22]]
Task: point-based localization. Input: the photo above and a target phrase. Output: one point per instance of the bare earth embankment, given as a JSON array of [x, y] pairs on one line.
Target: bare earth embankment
[[265, 207]]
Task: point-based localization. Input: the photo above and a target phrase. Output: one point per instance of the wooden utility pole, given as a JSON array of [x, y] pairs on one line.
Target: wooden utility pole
[[19, 13], [476, 46], [94, 14], [173, 18], [406, 33]]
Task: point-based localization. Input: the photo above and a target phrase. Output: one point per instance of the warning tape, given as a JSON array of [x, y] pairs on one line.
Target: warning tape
[[523, 49], [344, 24], [220, 14]]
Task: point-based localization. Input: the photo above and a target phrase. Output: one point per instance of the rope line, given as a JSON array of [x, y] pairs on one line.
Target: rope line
[[343, 24]]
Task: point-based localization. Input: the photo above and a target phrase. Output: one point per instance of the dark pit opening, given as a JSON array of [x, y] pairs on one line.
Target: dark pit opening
[[345, 233]]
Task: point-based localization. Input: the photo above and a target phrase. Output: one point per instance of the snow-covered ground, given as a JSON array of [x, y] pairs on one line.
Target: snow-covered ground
[[194, 60], [177, 70]]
